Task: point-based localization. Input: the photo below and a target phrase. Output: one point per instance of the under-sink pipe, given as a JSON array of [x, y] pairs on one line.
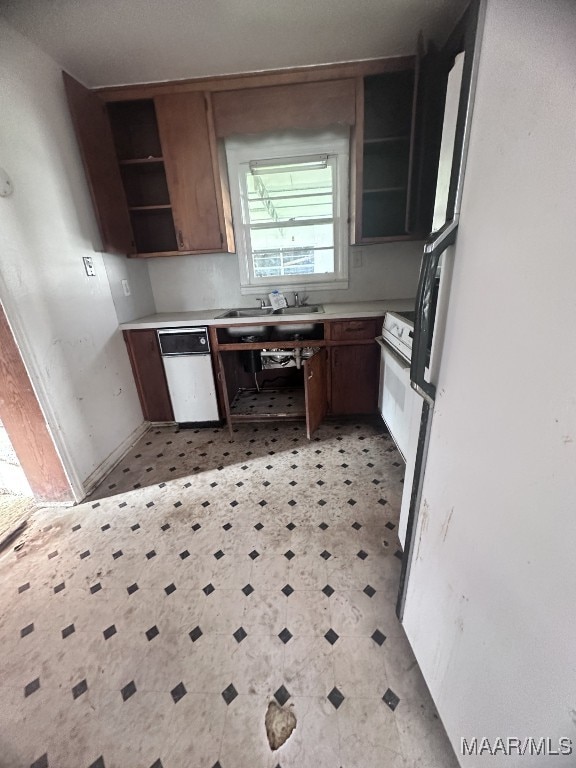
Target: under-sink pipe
[[295, 354]]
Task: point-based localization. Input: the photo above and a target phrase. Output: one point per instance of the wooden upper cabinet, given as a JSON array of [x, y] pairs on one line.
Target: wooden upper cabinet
[[174, 186], [192, 177], [306, 106], [382, 149], [155, 171], [99, 158], [156, 167]]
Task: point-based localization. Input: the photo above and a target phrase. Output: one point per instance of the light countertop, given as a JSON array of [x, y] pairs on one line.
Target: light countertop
[[345, 311]]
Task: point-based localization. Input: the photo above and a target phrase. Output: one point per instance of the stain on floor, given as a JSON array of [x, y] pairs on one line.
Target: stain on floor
[[279, 724]]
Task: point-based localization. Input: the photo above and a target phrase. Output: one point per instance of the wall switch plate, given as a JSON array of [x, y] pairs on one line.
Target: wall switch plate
[[357, 258], [89, 266], [126, 287]]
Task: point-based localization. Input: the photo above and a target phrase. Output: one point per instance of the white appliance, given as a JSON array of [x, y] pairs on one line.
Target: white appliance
[[462, 50], [188, 367], [489, 605], [397, 400], [400, 406]]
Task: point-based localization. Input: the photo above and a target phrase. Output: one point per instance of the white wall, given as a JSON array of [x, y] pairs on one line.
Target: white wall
[[140, 302], [183, 283], [64, 321], [490, 606]]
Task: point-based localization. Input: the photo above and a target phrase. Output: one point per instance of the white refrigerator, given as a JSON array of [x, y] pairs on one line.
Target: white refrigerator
[[489, 577]]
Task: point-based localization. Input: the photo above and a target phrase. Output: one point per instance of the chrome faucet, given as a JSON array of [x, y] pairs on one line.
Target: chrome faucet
[[263, 304], [299, 302]]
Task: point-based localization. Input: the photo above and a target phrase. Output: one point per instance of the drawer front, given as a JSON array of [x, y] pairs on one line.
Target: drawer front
[[352, 330]]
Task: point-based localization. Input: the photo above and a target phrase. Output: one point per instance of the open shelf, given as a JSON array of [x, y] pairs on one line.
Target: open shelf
[[378, 190], [150, 207], [386, 154], [154, 230], [388, 105], [383, 213], [387, 140], [141, 161], [135, 129], [139, 153], [145, 185]]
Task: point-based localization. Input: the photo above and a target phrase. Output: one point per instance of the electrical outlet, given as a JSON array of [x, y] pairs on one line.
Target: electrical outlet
[[126, 287], [89, 266], [357, 258]]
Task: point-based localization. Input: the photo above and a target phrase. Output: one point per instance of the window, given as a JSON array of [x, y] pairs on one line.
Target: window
[[290, 210]]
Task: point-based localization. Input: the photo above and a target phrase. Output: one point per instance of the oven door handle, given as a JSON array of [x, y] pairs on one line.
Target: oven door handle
[[434, 247], [389, 350]]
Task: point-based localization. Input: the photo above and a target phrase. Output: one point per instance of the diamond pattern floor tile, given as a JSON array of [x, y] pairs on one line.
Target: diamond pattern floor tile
[[203, 579]]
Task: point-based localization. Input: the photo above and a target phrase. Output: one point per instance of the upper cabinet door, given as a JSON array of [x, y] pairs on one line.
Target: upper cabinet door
[[188, 160], [99, 158], [427, 132], [437, 71], [465, 39]]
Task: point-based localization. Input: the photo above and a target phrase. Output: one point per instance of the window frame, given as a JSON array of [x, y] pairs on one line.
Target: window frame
[[240, 152]]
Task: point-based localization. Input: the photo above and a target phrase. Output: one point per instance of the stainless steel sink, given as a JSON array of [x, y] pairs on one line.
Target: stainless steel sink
[[300, 310], [301, 329], [246, 312], [261, 331]]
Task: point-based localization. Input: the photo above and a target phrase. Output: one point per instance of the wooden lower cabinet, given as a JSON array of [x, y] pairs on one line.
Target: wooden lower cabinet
[[355, 376], [340, 379], [307, 386], [315, 391], [148, 370]]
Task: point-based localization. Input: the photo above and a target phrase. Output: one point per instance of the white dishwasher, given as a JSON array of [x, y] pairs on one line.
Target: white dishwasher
[[188, 366]]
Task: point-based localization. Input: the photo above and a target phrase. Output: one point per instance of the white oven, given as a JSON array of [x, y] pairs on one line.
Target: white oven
[[400, 405], [397, 400]]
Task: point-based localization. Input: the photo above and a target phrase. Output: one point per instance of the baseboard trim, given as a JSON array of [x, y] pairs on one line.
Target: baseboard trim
[[114, 458]]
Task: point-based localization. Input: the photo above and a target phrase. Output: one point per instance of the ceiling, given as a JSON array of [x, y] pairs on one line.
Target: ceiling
[[112, 42]]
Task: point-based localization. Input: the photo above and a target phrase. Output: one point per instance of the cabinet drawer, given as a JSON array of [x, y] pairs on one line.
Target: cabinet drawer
[[351, 330]]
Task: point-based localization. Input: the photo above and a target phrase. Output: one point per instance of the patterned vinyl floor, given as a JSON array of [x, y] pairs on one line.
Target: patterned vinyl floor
[[152, 625], [285, 401]]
